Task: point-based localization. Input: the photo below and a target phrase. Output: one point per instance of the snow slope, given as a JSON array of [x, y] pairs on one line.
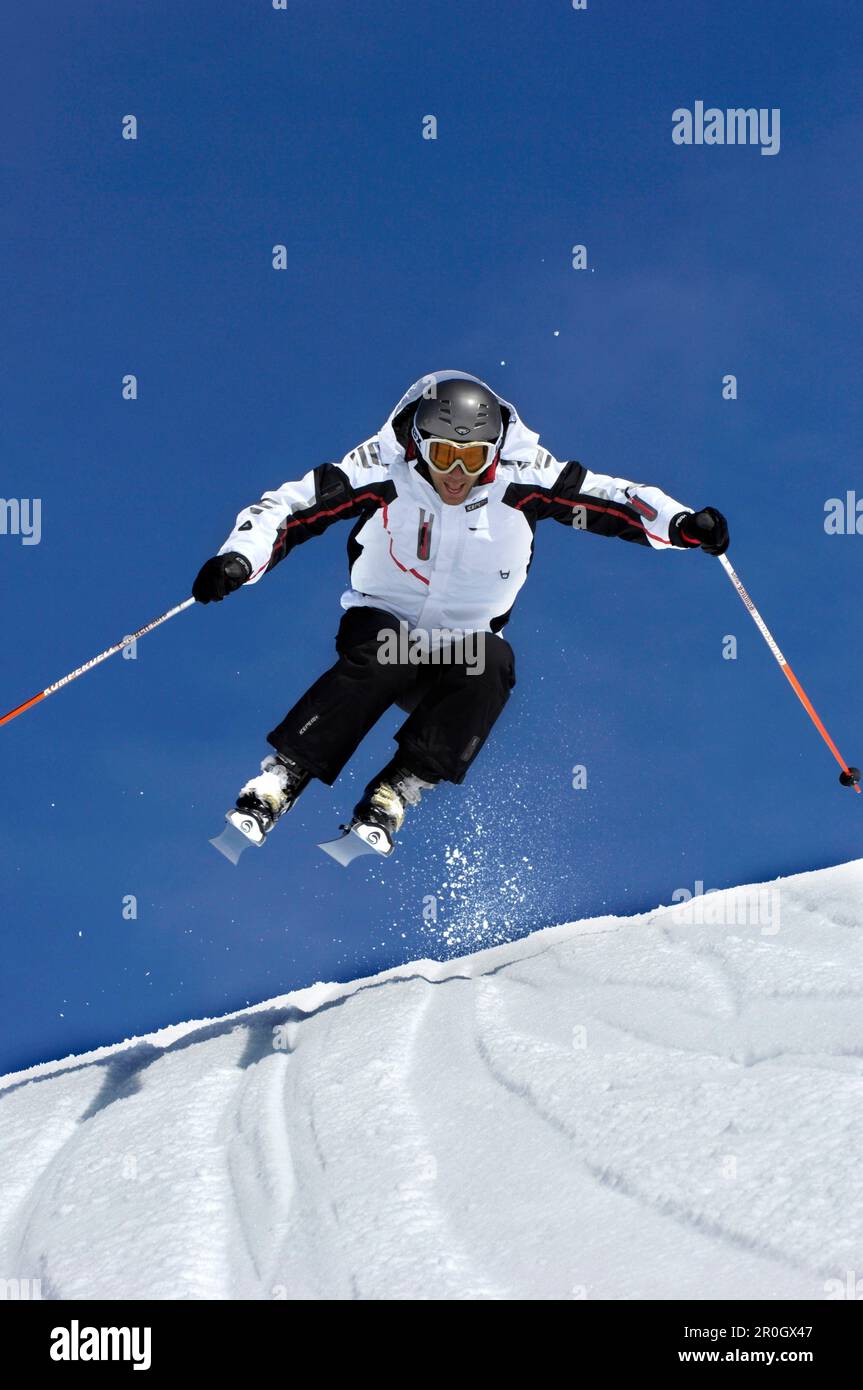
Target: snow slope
[[661, 1106]]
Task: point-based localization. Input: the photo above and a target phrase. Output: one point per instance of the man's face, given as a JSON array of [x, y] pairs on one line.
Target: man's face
[[453, 487]]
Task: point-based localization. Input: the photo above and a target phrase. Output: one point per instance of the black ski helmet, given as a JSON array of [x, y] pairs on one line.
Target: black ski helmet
[[463, 411]]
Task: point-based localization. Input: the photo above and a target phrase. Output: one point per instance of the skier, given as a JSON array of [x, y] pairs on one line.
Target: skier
[[445, 499]]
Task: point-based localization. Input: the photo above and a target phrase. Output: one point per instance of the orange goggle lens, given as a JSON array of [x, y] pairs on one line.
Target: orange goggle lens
[[473, 457]]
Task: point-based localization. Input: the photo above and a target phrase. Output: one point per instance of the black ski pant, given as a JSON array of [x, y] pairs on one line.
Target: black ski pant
[[452, 708]]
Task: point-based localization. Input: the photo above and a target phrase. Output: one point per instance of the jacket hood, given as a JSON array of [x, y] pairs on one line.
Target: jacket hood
[[518, 441]]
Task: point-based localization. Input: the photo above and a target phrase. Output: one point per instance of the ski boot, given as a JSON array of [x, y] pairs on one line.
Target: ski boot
[[379, 814], [262, 801]]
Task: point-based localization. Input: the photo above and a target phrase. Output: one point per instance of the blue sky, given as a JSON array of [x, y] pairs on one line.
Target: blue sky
[[406, 255]]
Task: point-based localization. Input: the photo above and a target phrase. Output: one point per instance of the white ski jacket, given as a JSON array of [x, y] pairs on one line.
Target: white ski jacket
[[434, 565]]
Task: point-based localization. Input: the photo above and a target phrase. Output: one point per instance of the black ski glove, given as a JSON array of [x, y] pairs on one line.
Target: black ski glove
[[220, 577], [707, 529]]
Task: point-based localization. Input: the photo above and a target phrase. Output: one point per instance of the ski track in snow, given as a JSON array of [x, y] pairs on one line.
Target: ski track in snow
[[625, 1108]]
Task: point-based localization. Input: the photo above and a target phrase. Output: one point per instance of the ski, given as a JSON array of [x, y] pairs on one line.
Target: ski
[[356, 839]]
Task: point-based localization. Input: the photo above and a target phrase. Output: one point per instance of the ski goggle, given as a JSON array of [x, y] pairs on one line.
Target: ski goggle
[[443, 455]]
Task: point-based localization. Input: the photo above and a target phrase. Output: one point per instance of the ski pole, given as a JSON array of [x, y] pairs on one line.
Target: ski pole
[[88, 665], [849, 776]]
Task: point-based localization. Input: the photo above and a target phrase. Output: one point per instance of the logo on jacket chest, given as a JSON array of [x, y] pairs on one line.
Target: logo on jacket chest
[[424, 532]]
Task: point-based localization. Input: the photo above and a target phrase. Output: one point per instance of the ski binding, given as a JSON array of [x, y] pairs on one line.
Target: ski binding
[[360, 837], [242, 829]]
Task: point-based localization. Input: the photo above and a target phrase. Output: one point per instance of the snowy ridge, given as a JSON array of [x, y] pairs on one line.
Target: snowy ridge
[[666, 1105]]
